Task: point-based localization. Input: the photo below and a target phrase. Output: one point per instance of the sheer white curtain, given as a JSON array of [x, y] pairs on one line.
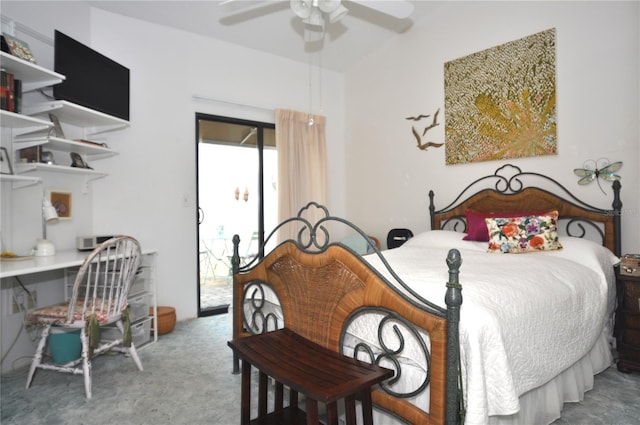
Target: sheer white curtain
[[302, 161]]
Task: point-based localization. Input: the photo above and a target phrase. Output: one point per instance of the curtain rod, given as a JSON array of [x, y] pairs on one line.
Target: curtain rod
[[229, 102]]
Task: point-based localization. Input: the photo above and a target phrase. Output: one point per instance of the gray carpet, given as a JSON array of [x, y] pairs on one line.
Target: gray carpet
[[187, 380]]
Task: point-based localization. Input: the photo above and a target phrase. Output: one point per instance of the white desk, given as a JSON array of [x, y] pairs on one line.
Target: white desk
[[63, 260], [60, 261]]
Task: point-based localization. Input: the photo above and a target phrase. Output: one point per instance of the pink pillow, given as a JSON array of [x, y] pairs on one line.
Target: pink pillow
[[477, 227]]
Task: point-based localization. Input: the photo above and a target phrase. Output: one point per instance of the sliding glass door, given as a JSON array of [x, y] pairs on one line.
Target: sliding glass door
[[237, 183]]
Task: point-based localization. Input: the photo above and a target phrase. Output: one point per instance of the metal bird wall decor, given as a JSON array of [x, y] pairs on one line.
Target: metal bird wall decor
[[424, 146], [595, 170]]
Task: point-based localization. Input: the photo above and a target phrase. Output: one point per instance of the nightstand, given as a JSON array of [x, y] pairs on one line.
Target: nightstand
[[628, 323]]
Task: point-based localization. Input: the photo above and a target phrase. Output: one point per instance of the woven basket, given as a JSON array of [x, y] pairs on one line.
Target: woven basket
[[166, 319]]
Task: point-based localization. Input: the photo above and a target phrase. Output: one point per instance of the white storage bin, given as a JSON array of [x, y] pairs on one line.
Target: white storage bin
[[140, 333], [142, 283], [139, 306]]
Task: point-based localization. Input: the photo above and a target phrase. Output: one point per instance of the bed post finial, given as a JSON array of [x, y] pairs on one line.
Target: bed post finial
[[617, 211], [432, 209], [453, 299], [235, 259]]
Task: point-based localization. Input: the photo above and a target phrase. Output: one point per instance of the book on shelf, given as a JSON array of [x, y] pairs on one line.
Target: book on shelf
[[90, 142], [4, 96], [10, 92], [17, 96], [11, 104]]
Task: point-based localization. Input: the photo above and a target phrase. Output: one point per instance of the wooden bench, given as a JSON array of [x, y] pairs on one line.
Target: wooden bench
[[321, 375]]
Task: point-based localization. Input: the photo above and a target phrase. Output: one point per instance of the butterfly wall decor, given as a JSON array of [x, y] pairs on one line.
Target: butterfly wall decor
[[595, 170]]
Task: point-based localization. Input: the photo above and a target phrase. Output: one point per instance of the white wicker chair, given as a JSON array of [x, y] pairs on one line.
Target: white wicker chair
[[99, 298]]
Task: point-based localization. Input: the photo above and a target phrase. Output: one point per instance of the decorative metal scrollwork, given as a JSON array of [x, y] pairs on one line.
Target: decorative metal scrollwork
[[384, 354], [314, 236], [510, 179], [258, 313], [454, 223], [513, 184], [576, 227], [310, 236]]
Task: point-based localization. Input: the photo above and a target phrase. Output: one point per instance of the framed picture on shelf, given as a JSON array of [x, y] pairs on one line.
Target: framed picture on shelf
[[5, 162], [56, 130], [18, 48], [78, 162], [31, 154], [61, 201]]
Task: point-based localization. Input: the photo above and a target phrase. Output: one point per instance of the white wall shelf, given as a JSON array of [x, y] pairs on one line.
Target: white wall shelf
[[93, 122], [21, 168], [20, 181], [88, 174], [22, 124], [91, 150], [33, 76], [31, 127]]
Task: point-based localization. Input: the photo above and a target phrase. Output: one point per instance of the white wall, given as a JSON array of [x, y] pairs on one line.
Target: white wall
[[597, 99], [156, 166]]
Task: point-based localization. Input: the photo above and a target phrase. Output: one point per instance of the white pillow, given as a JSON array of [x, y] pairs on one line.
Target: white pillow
[[586, 252], [443, 239]]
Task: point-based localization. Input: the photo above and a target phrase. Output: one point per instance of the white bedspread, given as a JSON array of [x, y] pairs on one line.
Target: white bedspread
[[525, 317]]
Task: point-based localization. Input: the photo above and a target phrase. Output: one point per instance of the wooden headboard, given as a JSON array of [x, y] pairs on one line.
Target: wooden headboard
[[513, 191], [318, 292]]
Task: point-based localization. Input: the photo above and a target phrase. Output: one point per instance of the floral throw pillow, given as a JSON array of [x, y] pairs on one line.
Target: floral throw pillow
[[477, 228], [513, 235]]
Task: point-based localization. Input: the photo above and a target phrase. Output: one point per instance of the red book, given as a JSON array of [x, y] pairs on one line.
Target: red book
[[3, 90]]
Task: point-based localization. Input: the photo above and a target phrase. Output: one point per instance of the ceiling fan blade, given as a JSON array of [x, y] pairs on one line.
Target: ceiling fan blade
[[400, 9], [237, 11], [239, 5]]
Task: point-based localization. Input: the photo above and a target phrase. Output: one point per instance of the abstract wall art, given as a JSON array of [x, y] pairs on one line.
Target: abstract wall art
[[500, 103]]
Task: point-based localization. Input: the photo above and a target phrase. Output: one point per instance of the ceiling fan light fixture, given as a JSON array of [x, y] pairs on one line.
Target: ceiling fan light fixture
[[315, 18], [302, 8]]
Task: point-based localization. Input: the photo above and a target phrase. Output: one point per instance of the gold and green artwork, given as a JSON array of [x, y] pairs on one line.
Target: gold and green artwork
[[500, 103]]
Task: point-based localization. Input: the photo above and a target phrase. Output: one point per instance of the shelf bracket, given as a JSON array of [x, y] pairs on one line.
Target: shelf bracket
[[89, 179], [25, 183]]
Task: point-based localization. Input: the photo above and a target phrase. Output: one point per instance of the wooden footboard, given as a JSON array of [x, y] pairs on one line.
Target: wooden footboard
[[321, 293]]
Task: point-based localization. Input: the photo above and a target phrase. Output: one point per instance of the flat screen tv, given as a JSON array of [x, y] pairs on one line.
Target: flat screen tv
[[92, 79]]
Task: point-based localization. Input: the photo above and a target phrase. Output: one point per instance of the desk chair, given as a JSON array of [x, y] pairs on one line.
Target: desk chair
[[99, 298]]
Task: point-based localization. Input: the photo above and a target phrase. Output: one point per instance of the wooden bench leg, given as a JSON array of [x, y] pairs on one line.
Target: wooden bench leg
[[245, 403], [332, 413], [350, 410], [312, 411], [279, 398], [262, 395], [367, 415]]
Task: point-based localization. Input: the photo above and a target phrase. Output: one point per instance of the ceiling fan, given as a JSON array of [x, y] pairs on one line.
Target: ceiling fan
[[321, 12]]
